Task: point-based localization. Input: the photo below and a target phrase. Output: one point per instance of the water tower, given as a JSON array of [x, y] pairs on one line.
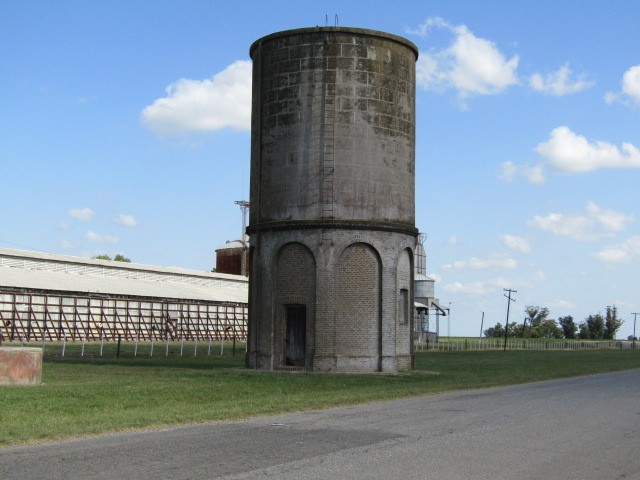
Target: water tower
[[332, 219]]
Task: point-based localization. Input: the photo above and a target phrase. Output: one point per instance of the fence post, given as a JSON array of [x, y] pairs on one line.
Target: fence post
[[64, 341], [82, 350], [118, 349]]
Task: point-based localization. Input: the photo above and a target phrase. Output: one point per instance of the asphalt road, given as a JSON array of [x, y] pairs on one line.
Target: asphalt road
[[579, 428]]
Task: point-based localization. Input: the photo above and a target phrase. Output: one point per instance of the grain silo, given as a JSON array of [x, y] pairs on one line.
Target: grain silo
[[332, 222]]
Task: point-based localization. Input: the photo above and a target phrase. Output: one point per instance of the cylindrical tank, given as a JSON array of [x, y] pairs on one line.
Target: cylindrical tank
[[333, 128], [332, 201], [424, 288]]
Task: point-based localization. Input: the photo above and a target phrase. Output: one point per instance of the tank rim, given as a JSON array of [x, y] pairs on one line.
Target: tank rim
[[352, 30]]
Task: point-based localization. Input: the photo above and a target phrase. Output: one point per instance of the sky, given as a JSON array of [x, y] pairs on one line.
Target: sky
[[124, 128]]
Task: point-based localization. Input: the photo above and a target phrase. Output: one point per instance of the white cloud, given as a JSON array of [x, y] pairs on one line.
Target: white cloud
[[519, 244], [452, 240], [435, 277], [471, 65], [509, 171], [624, 252], [86, 100], [610, 97], [559, 82], [534, 174], [594, 224], [569, 152], [204, 105], [477, 288], [96, 238], [491, 261], [631, 83], [564, 304], [538, 276], [67, 245], [126, 219], [473, 288], [84, 214], [630, 93], [610, 220]]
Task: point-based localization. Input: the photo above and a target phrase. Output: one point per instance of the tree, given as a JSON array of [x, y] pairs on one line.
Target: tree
[[118, 258], [536, 315], [498, 330], [548, 329], [593, 327], [539, 325], [583, 331], [569, 327], [612, 323], [495, 332]]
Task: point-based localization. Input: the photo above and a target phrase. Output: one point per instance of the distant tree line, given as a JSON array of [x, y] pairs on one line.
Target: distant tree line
[[537, 324], [117, 258]]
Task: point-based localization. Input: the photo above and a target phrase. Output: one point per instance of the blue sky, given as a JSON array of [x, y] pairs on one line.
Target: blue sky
[[125, 129]]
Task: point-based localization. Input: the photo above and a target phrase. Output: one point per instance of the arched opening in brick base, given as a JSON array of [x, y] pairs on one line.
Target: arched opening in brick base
[[358, 313], [295, 298]]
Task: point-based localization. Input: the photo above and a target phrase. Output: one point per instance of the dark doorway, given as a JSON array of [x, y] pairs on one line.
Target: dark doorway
[[296, 317]]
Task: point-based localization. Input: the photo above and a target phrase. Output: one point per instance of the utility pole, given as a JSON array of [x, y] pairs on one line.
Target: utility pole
[[635, 314], [244, 207], [506, 327], [524, 324], [481, 324]]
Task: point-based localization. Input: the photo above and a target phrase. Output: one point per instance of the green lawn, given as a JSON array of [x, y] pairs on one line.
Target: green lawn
[[85, 397]]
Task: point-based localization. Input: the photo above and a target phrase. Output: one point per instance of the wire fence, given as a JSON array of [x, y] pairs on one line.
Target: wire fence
[[520, 344], [132, 349]]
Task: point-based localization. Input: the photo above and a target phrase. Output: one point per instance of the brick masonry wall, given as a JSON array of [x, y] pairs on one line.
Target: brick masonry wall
[[354, 324], [358, 302]]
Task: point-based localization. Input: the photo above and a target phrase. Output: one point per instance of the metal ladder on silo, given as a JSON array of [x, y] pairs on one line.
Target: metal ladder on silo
[[328, 145]]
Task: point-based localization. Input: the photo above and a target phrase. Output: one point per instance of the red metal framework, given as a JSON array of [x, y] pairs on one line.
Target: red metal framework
[[29, 316]]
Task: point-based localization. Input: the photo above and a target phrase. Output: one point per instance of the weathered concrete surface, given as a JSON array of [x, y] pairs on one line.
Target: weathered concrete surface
[[332, 218], [20, 366]]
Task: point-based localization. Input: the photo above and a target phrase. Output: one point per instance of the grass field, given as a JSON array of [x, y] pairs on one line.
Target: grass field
[[92, 396]]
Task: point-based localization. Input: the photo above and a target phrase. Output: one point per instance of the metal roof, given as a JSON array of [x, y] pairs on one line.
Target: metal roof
[[39, 271], [235, 244]]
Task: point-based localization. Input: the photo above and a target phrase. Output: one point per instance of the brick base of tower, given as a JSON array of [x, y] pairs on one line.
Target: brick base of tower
[[331, 300]]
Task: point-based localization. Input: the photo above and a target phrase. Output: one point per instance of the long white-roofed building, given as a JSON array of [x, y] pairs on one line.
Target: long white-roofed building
[[50, 297]]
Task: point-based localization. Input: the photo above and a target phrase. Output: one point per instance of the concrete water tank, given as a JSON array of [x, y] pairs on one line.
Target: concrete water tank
[[332, 220]]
